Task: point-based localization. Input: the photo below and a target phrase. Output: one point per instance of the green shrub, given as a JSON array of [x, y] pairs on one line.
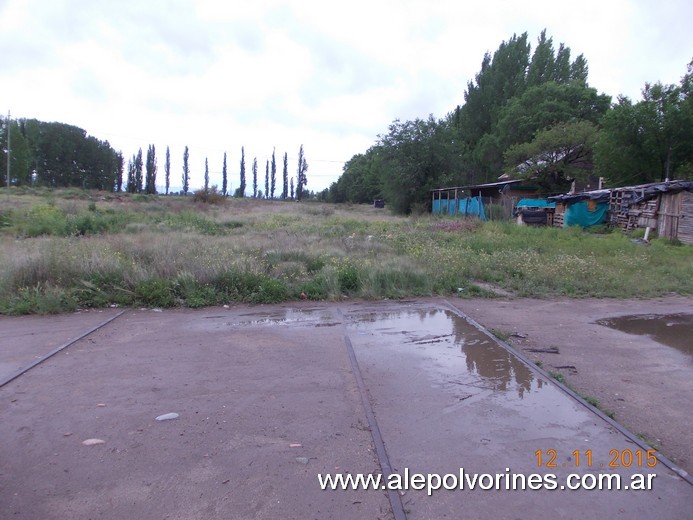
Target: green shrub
[[209, 196], [269, 290], [193, 294], [315, 289], [39, 299], [6, 218], [45, 219], [251, 287], [103, 289], [314, 264], [191, 221], [348, 277], [155, 292]]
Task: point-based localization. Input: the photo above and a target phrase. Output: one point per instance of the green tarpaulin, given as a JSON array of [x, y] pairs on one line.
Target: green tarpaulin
[[585, 213]]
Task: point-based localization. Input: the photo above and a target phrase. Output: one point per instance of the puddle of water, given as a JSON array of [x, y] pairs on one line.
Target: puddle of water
[[673, 330], [463, 362], [438, 331], [286, 317]]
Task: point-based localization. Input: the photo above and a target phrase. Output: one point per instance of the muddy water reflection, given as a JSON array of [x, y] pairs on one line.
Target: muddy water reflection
[[673, 330], [441, 333], [309, 317]]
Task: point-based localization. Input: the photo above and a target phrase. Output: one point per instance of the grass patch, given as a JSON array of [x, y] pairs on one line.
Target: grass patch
[[91, 249], [558, 377], [651, 441], [501, 334], [593, 401]]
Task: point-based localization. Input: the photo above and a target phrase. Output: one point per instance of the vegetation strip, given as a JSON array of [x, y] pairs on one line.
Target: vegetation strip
[[61, 250]]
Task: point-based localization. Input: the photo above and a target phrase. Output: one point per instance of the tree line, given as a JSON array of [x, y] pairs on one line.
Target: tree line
[[271, 183], [58, 155], [62, 155], [529, 115]]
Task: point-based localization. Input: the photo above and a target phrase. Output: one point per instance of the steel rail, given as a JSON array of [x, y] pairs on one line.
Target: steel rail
[[24, 370]]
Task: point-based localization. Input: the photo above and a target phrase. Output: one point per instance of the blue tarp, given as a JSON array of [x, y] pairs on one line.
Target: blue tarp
[[535, 203], [470, 206]]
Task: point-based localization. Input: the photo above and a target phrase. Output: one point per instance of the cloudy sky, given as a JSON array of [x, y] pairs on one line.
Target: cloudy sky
[[217, 75]]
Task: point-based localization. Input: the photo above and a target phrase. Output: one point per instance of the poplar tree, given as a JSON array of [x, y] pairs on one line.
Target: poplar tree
[[186, 171], [224, 178], [132, 185], [138, 171], [273, 178], [206, 176], [167, 169], [267, 187], [119, 172], [301, 179], [240, 192], [285, 178], [150, 168], [254, 177]]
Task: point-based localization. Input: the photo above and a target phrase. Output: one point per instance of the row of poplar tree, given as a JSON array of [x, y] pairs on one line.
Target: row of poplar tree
[[61, 155], [141, 176]]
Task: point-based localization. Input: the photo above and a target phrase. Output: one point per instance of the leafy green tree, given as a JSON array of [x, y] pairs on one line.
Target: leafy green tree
[[20, 154], [167, 169], [150, 183], [64, 155], [186, 171], [285, 177], [561, 69], [538, 108], [556, 156], [273, 178], [360, 181], [224, 178], [651, 140], [500, 79], [267, 181], [416, 157], [301, 177], [542, 67], [486, 123], [579, 70]]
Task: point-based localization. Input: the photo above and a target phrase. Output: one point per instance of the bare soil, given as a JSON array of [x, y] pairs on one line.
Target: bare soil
[[647, 385], [267, 399]]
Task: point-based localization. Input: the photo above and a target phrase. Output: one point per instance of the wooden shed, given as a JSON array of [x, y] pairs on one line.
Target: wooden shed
[[666, 207]]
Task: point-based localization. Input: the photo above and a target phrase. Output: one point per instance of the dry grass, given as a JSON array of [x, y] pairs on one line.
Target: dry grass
[[104, 248]]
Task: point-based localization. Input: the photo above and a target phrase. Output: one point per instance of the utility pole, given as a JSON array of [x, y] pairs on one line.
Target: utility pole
[[8, 154]]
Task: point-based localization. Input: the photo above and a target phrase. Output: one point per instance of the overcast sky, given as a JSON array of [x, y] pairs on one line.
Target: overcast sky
[[217, 75]]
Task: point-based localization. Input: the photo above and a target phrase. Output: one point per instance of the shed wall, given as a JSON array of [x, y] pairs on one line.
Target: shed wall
[[686, 221]]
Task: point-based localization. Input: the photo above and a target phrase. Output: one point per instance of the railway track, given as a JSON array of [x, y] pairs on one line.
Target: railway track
[[11, 377]]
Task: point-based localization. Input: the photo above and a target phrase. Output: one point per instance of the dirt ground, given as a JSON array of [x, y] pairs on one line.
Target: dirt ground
[[267, 398], [648, 386]]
